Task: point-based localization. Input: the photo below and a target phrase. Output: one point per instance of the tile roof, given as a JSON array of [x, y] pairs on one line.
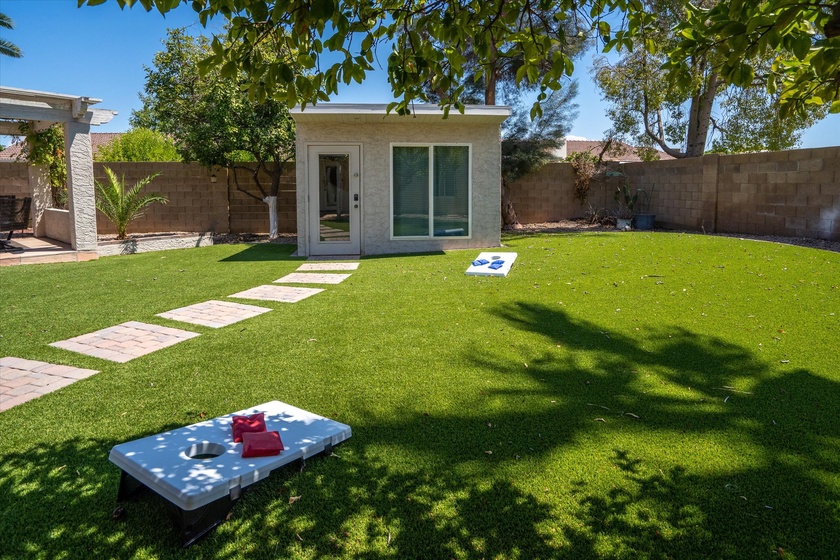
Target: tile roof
[[97, 140], [595, 147]]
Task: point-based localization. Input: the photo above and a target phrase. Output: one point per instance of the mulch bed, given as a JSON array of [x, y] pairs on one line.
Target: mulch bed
[[572, 226]]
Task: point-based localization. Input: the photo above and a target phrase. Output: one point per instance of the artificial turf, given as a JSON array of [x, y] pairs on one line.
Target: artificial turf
[[619, 395]]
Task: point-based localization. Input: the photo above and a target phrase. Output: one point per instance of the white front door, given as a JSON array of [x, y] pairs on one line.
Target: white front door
[[334, 200]]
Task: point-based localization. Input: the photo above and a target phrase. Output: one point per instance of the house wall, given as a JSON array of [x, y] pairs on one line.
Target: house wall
[[793, 193], [376, 140]]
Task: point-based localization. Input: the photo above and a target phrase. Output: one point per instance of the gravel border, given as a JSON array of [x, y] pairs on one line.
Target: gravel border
[[577, 226]]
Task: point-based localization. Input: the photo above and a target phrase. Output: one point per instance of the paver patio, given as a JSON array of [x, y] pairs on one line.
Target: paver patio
[[285, 294], [23, 380], [310, 267], [215, 314], [312, 278], [125, 342]]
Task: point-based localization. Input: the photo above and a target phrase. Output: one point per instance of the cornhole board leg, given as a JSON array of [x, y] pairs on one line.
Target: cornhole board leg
[[191, 525], [194, 524], [129, 486]]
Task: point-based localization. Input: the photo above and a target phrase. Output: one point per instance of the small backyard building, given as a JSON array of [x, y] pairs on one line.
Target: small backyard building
[[374, 183]]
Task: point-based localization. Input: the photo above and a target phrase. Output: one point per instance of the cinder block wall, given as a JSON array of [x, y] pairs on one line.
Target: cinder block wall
[[791, 193], [195, 202], [14, 179], [249, 215], [795, 193], [546, 195]]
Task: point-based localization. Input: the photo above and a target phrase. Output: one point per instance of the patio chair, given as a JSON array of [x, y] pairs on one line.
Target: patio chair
[[14, 215]]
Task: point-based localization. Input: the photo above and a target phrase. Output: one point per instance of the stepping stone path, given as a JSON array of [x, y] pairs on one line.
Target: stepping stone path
[[125, 342], [319, 266], [23, 380], [286, 294], [215, 314], [312, 278]]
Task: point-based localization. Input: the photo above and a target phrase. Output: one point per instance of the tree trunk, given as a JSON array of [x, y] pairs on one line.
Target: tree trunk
[[272, 216], [700, 116], [490, 78], [509, 218]]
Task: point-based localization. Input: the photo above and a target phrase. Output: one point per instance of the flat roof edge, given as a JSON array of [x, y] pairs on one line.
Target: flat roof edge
[[380, 110]]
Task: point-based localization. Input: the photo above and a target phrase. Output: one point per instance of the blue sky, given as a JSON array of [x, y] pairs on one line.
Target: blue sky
[[100, 52]]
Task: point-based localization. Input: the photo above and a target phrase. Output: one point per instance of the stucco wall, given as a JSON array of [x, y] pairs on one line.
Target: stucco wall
[[376, 140]]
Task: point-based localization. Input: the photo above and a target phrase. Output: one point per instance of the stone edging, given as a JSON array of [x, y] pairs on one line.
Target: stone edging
[[153, 243]]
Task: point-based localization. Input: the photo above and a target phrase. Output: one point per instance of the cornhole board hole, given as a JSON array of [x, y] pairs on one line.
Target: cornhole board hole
[[485, 270], [198, 470]]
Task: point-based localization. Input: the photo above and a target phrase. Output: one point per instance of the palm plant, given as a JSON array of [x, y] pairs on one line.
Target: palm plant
[[7, 48], [121, 206]]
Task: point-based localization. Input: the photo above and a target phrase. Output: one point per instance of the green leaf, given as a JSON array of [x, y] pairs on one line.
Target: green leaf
[[801, 46], [322, 9]]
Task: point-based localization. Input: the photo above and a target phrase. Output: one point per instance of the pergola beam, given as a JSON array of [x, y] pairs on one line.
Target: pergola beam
[[40, 111]]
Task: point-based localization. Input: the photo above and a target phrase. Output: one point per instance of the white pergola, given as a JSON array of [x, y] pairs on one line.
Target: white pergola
[[43, 109]]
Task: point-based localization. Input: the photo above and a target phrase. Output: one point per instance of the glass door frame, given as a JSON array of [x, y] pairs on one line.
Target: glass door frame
[[317, 246]]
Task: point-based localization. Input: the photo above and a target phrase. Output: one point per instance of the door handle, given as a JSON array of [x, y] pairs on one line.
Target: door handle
[[356, 198]]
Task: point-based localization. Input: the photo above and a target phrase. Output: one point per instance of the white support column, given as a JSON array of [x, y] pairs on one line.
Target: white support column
[[39, 187], [80, 190]]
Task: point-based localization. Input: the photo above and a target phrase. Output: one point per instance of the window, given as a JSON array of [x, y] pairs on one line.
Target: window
[[430, 191]]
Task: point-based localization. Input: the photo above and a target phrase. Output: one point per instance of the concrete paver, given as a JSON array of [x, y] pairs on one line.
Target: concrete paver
[[312, 278], [286, 294], [321, 266], [215, 314], [136, 339], [23, 380]]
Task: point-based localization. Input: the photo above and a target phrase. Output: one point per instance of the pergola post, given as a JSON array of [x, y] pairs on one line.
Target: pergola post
[[39, 186], [80, 189], [42, 109]]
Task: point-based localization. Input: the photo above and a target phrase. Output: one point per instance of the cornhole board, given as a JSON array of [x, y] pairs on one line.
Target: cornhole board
[[199, 471], [485, 270]]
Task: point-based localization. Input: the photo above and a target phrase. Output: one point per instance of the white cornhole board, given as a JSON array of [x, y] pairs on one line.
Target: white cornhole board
[[161, 462], [485, 270]]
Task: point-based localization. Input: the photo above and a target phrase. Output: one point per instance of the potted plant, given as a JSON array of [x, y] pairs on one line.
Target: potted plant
[[626, 201], [643, 220]]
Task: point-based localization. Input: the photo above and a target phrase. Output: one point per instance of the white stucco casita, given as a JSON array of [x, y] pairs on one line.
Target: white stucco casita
[[372, 183]]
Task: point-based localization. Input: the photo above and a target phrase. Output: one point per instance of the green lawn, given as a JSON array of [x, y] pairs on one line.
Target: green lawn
[[617, 396]]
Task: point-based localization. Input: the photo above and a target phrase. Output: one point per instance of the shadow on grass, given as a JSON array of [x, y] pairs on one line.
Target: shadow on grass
[[59, 502], [261, 252], [404, 255], [422, 485], [710, 396]]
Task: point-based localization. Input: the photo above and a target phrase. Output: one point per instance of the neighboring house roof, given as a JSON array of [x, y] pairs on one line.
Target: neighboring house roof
[[595, 147], [97, 140]]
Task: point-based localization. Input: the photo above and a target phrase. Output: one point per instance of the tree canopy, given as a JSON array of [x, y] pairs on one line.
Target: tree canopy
[[316, 45], [686, 116], [212, 121], [7, 48], [804, 38], [139, 144]]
